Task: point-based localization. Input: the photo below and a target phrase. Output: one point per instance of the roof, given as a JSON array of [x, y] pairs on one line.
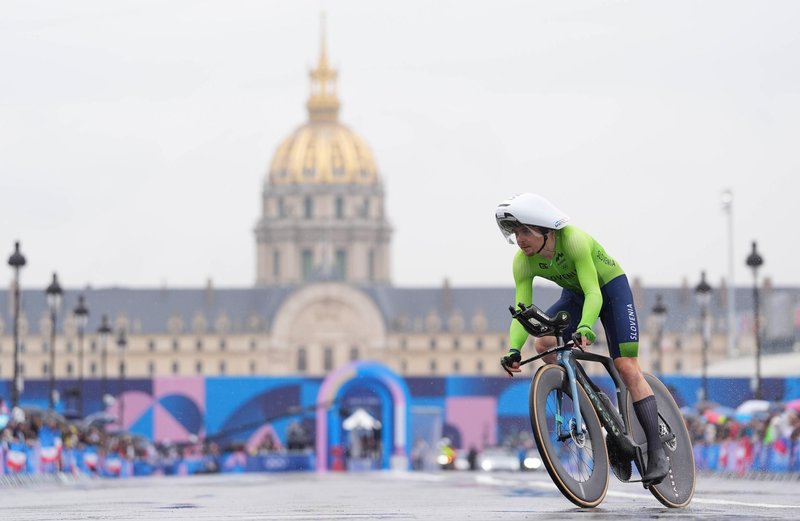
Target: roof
[[251, 310]]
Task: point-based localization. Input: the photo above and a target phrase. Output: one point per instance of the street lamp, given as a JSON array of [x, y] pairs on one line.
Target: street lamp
[[16, 261], [660, 317], [703, 294], [754, 261], [81, 318], [122, 341], [105, 332], [727, 207], [54, 294]]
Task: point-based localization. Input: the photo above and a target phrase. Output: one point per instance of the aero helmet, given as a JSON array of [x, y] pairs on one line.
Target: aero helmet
[[530, 210]]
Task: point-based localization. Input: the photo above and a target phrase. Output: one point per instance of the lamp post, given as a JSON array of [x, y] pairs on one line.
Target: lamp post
[[703, 294], [81, 318], [660, 315], [727, 207], [122, 341], [54, 296], [105, 332], [754, 261], [16, 261]]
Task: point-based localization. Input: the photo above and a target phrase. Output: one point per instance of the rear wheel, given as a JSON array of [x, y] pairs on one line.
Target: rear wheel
[[677, 489], [575, 458]]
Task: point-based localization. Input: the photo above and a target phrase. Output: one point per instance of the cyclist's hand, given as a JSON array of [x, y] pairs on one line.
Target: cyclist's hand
[[510, 362], [583, 336]]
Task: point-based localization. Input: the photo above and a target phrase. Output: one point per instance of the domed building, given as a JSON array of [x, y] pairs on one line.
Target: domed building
[[323, 201]]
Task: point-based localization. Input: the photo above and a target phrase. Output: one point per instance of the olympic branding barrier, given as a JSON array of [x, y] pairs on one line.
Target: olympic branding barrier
[[31, 459]]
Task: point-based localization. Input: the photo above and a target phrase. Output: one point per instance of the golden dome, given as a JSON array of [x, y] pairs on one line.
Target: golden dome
[[323, 151]]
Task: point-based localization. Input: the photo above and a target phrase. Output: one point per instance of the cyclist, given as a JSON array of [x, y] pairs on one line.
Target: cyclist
[[593, 285]]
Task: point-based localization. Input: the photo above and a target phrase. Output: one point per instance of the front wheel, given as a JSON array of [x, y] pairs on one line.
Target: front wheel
[[575, 458], [677, 489]]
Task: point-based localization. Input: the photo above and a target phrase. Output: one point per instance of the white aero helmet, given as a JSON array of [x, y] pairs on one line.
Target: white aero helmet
[[531, 210]]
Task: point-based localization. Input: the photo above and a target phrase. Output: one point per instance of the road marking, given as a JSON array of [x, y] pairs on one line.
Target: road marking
[[494, 481]]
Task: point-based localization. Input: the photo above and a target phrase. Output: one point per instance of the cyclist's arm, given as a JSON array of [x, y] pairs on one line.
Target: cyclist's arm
[[579, 247], [523, 282]]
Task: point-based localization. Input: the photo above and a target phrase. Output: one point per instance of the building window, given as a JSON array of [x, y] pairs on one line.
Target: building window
[[479, 344], [339, 208], [22, 347], [353, 354], [503, 346], [433, 344], [253, 345], [281, 207], [433, 366], [403, 344], [308, 207], [341, 264], [252, 367], [93, 368], [365, 209], [175, 367], [44, 368], [456, 366], [479, 367], [175, 344], [222, 367], [327, 362], [371, 265], [69, 368], [44, 347], [222, 344], [69, 347], [456, 344], [307, 267], [151, 346], [199, 344], [198, 367], [93, 346], [302, 363], [276, 263], [404, 367], [151, 368]]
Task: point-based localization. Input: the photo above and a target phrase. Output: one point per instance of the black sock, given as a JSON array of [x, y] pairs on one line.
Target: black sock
[[647, 413]]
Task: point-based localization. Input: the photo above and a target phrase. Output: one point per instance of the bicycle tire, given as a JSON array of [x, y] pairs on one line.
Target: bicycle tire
[[677, 489], [581, 473]]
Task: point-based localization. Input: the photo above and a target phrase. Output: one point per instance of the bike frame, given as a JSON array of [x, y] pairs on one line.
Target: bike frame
[[567, 357]]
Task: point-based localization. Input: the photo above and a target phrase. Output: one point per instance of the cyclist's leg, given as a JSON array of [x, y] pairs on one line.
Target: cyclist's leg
[[570, 302], [618, 316]]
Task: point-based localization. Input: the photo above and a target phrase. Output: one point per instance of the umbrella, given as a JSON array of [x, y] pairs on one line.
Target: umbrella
[[360, 419], [793, 405], [705, 405], [98, 419], [719, 415], [753, 406]]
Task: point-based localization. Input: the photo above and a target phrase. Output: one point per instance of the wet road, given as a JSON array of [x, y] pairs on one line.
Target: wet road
[[381, 495]]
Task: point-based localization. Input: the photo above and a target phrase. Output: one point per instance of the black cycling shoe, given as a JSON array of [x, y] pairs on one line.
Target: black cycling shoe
[[657, 467]]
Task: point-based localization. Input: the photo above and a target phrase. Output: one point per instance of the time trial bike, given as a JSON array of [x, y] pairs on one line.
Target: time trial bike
[[581, 434]]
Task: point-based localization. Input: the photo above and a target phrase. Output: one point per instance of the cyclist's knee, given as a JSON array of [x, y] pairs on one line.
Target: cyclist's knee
[[544, 343], [628, 368]]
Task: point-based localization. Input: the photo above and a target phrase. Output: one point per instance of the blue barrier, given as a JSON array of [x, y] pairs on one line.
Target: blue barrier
[[730, 456]]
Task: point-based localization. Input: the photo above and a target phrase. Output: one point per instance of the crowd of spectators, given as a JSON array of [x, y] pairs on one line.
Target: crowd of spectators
[[40, 440], [764, 441]]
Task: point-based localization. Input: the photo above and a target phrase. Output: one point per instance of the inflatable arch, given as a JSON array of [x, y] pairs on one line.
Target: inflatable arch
[[394, 396]]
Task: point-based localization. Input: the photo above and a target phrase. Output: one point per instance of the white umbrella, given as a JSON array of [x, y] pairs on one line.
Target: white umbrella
[[360, 419], [753, 406]]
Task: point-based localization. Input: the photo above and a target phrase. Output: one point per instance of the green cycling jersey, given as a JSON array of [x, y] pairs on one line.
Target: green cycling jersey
[[579, 264]]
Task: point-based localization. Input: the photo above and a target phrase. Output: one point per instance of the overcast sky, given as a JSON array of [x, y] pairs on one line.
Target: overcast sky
[[135, 136]]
